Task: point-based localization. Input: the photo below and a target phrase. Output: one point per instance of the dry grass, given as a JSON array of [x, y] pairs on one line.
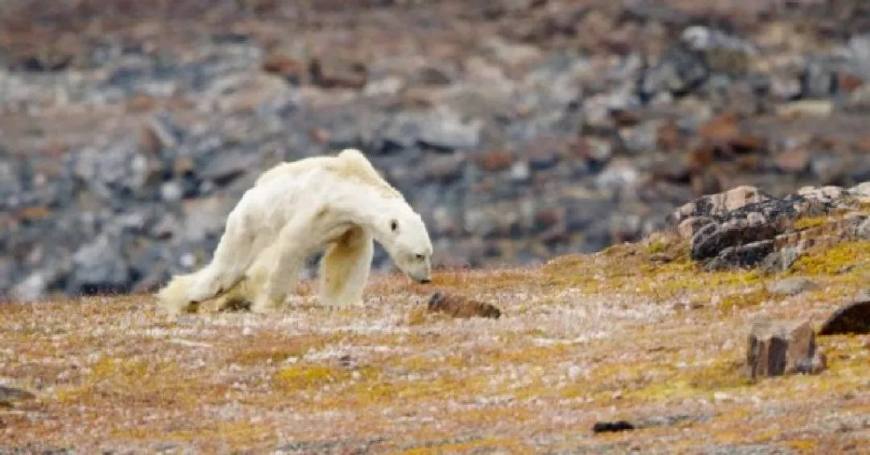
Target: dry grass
[[636, 332]]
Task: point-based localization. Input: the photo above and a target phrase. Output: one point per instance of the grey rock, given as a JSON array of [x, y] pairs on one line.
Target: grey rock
[[31, 288], [782, 347], [446, 130], [679, 71], [222, 168], [790, 286], [780, 260], [100, 266]]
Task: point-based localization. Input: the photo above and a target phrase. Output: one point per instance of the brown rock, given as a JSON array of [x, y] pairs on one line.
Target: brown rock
[[334, 73], [778, 348], [726, 134], [794, 160], [10, 395], [721, 129], [668, 137], [460, 307], [495, 160], [286, 67], [850, 318], [849, 82]]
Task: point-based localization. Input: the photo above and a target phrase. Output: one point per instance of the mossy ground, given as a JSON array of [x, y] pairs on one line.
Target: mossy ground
[[636, 332]]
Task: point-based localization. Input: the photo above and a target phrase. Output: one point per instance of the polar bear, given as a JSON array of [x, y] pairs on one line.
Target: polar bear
[[335, 204]]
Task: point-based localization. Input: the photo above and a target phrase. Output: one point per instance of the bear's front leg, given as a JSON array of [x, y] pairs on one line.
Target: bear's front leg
[[344, 269]]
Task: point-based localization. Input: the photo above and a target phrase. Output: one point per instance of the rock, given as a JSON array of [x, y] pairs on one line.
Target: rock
[[790, 286], [611, 427], [446, 168], [99, 266], [780, 260], [460, 307], [793, 161], [850, 318], [778, 348], [495, 160], [223, 167], [714, 238], [806, 108], [690, 226], [444, 129], [286, 67], [335, 73], [719, 204], [746, 255], [32, 288], [11, 395], [679, 72]]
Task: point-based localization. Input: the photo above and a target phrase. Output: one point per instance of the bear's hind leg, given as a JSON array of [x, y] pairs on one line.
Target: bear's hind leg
[[233, 255], [344, 268]]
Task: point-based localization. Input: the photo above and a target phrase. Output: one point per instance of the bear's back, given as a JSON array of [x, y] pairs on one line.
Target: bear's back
[[350, 164]]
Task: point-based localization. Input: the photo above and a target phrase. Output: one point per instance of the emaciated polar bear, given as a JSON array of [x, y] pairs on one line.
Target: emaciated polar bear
[[339, 204]]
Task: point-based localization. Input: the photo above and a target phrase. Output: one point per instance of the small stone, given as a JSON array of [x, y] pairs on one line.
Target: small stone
[[850, 318], [806, 108], [790, 286], [460, 307], [611, 427], [224, 167], [793, 161], [335, 73], [281, 65], [778, 348], [10, 395], [495, 160]]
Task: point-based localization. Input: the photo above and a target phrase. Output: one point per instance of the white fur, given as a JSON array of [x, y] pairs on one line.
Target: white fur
[[338, 204]]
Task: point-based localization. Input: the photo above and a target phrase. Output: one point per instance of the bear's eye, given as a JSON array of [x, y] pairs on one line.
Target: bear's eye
[[419, 257], [394, 225]]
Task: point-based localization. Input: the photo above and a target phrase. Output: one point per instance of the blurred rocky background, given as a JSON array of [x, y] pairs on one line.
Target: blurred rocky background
[[520, 129]]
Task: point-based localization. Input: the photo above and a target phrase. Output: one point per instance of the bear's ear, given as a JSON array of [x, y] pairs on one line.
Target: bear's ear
[[394, 225]]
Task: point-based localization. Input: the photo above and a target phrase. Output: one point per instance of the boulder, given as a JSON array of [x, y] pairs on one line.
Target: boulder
[[790, 286], [853, 317], [778, 347]]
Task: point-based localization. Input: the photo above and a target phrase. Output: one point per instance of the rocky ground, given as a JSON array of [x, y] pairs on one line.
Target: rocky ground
[[521, 129], [649, 338]]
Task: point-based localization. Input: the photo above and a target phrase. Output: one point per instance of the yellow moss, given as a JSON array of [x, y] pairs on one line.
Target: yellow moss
[[803, 445], [745, 299], [833, 260], [485, 445], [811, 222], [308, 376], [234, 433]]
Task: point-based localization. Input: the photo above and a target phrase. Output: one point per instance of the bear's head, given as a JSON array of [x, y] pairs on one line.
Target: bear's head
[[404, 236]]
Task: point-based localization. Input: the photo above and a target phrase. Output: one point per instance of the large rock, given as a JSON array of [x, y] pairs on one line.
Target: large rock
[[778, 348], [744, 227], [850, 318]]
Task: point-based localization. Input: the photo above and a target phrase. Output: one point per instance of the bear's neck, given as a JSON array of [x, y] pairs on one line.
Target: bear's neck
[[373, 214]]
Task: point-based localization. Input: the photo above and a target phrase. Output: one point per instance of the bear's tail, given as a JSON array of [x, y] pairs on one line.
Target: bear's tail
[[174, 296]]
